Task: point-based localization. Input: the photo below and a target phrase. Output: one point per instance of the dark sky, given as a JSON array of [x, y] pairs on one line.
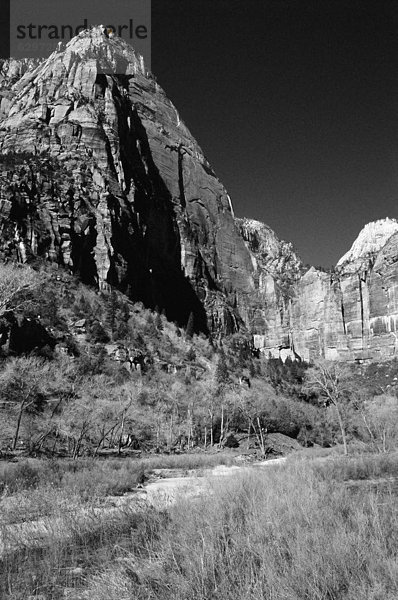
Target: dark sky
[[295, 104]]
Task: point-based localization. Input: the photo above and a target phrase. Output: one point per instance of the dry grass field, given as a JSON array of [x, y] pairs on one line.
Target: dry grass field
[[296, 531]]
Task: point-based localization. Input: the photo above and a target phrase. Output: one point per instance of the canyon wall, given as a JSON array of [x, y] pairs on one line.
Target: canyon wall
[[349, 313], [99, 174]]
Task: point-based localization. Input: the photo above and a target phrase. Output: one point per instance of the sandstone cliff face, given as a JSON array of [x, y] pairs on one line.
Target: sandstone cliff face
[[368, 243], [276, 270], [352, 312], [99, 174]]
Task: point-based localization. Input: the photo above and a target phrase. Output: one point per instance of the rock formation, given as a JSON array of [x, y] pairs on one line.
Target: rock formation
[[276, 271], [351, 313], [99, 174]]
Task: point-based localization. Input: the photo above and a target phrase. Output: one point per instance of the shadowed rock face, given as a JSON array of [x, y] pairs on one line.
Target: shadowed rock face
[[114, 186], [99, 174]]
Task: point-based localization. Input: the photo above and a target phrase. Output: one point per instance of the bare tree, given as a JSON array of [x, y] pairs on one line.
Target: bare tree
[[251, 404], [331, 381], [380, 416], [15, 281], [24, 383], [222, 382]]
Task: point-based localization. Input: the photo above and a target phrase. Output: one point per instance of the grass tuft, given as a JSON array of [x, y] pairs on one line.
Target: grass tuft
[[296, 531]]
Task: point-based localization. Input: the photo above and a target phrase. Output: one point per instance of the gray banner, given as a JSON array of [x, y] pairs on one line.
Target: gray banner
[[38, 26]]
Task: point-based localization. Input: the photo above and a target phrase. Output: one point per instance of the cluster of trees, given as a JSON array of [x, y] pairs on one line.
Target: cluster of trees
[[359, 413], [72, 406], [78, 399]]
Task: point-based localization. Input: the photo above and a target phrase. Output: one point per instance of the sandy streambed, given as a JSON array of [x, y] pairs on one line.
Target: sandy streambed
[[159, 493], [164, 492]]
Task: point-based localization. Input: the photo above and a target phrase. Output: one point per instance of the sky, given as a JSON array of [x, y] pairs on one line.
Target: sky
[[295, 104]]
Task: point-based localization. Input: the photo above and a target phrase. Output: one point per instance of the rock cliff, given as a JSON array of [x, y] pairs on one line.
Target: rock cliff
[[99, 174], [351, 313], [276, 271]]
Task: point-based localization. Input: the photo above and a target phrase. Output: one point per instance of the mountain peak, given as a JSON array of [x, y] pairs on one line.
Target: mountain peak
[[370, 240], [111, 53], [272, 254], [69, 82]]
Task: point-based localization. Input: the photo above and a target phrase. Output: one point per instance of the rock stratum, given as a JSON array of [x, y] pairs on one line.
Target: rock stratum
[[99, 174], [349, 313]]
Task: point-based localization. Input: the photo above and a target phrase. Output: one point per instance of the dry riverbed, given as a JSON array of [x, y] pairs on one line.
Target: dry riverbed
[[162, 490]]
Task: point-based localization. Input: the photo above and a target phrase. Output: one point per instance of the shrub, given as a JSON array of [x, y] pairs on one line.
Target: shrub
[[283, 533], [97, 334]]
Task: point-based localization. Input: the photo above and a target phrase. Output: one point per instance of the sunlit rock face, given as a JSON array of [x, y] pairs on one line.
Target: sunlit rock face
[[118, 189], [317, 327], [368, 243], [99, 174], [351, 313], [276, 270], [382, 307]]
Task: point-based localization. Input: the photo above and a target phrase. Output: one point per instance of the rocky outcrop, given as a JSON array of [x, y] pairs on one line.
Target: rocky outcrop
[[382, 305], [368, 243], [351, 313], [276, 270], [99, 174]]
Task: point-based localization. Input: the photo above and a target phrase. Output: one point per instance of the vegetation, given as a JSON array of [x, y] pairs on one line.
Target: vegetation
[[285, 534], [97, 393], [27, 488], [332, 382], [85, 373], [365, 467], [109, 375], [296, 531], [15, 281]]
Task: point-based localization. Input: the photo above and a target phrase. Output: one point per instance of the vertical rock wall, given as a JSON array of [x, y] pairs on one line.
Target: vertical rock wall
[[99, 174]]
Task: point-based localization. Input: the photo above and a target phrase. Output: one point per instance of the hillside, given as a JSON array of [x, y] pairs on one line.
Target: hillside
[[84, 371]]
